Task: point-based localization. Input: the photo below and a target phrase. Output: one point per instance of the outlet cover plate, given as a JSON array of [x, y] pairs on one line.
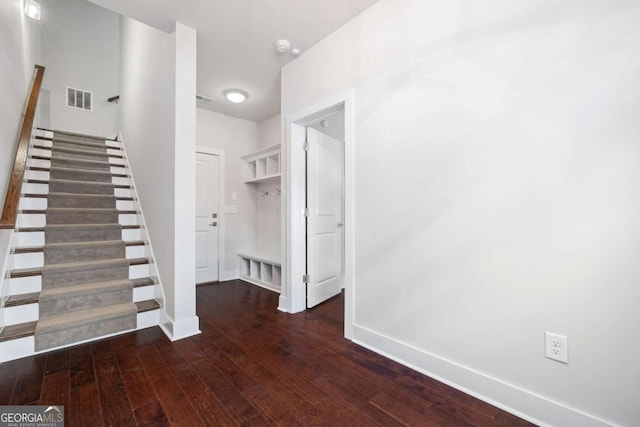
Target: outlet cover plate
[[556, 347]]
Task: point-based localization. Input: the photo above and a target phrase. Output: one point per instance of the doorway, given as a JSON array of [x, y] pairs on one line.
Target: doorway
[[324, 212], [296, 266], [209, 173]]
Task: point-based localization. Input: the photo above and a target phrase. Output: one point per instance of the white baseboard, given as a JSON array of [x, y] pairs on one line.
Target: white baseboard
[[508, 397], [182, 328], [282, 304], [229, 275]]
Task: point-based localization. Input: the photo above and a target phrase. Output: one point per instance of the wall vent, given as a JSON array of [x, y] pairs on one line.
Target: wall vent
[[80, 99], [204, 99]]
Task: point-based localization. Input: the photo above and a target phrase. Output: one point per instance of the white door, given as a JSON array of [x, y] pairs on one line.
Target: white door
[[325, 249], [207, 217]]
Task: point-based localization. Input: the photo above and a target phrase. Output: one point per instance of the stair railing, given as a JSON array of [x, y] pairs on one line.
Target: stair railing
[[12, 199]]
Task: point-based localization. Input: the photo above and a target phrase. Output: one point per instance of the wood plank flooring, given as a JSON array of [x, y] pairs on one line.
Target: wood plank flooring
[[252, 365]]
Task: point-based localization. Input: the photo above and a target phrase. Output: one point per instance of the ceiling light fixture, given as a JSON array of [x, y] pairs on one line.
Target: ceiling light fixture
[[32, 9], [236, 95]]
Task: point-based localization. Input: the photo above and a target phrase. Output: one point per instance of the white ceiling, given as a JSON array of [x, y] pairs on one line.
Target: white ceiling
[[236, 41]]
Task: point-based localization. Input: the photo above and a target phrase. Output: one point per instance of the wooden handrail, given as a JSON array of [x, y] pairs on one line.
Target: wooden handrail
[[12, 199]]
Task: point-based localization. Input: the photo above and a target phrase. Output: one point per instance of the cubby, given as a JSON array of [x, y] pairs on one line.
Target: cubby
[[260, 264], [262, 165], [260, 270]]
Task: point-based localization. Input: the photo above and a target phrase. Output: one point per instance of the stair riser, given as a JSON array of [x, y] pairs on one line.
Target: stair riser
[[20, 314], [55, 218], [79, 175], [57, 280], [24, 239], [100, 157], [54, 307], [84, 234], [81, 202], [23, 347], [45, 176], [78, 146], [35, 188], [31, 312], [81, 160], [29, 260], [25, 285], [78, 164], [112, 147], [79, 333], [36, 260], [48, 143], [84, 254], [80, 188]]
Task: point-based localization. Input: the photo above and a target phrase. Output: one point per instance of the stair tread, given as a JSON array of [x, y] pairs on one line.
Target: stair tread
[[74, 181], [62, 210], [55, 156], [79, 150], [41, 229], [43, 169], [79, 135], [22, 299], [90, 171], [81, 195], [78, 266], [67, 245], [85, 289], [83, 317], [147, 305], [19, 330], [85, 143], [28, 329], [145, 281]]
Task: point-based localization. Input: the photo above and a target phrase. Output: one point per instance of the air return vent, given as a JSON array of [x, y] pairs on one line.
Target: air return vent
[[204, 99], [80, 99]]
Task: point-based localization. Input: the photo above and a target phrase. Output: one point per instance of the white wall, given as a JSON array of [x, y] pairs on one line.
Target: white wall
[[80, 48], [497, 141], [269, 206], [269, 132], [19, 52], [158, 127], [236, 137]]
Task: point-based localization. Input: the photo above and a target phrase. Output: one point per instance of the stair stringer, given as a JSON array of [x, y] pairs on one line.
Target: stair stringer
[[153, 270]]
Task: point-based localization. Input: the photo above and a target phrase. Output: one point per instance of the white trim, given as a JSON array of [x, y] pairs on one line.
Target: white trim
[[293, 298], [494, 391], [184, 328], [143, 225], [221, 199]]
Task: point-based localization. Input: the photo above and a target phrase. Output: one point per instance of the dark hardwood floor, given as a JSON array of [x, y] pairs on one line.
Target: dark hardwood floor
[[250, 366]]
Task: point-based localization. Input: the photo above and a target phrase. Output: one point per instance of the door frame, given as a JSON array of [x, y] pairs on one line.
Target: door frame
[[221, 215], [293, 297]]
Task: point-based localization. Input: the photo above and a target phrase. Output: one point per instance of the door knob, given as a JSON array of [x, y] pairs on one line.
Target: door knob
[[214, 224], [340, 225]]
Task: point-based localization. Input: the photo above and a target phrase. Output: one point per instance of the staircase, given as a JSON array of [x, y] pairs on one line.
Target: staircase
[[81, 265]]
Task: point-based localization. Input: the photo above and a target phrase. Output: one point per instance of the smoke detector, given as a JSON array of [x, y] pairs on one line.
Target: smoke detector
[[283, 45]]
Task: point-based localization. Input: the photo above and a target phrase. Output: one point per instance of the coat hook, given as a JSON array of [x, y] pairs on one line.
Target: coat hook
[[265, 193], [278, 191]]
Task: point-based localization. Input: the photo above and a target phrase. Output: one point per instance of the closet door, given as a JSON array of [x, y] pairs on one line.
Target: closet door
[[325, 248], [207, 200]]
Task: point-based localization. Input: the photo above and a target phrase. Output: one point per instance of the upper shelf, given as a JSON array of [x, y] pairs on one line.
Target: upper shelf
[[262, 165]]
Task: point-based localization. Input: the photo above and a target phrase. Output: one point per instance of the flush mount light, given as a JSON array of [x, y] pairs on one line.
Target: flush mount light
[[236, 95], [32, 9]]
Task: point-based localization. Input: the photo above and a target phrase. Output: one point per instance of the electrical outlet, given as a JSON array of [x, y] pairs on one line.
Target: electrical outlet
[[556, 347]]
